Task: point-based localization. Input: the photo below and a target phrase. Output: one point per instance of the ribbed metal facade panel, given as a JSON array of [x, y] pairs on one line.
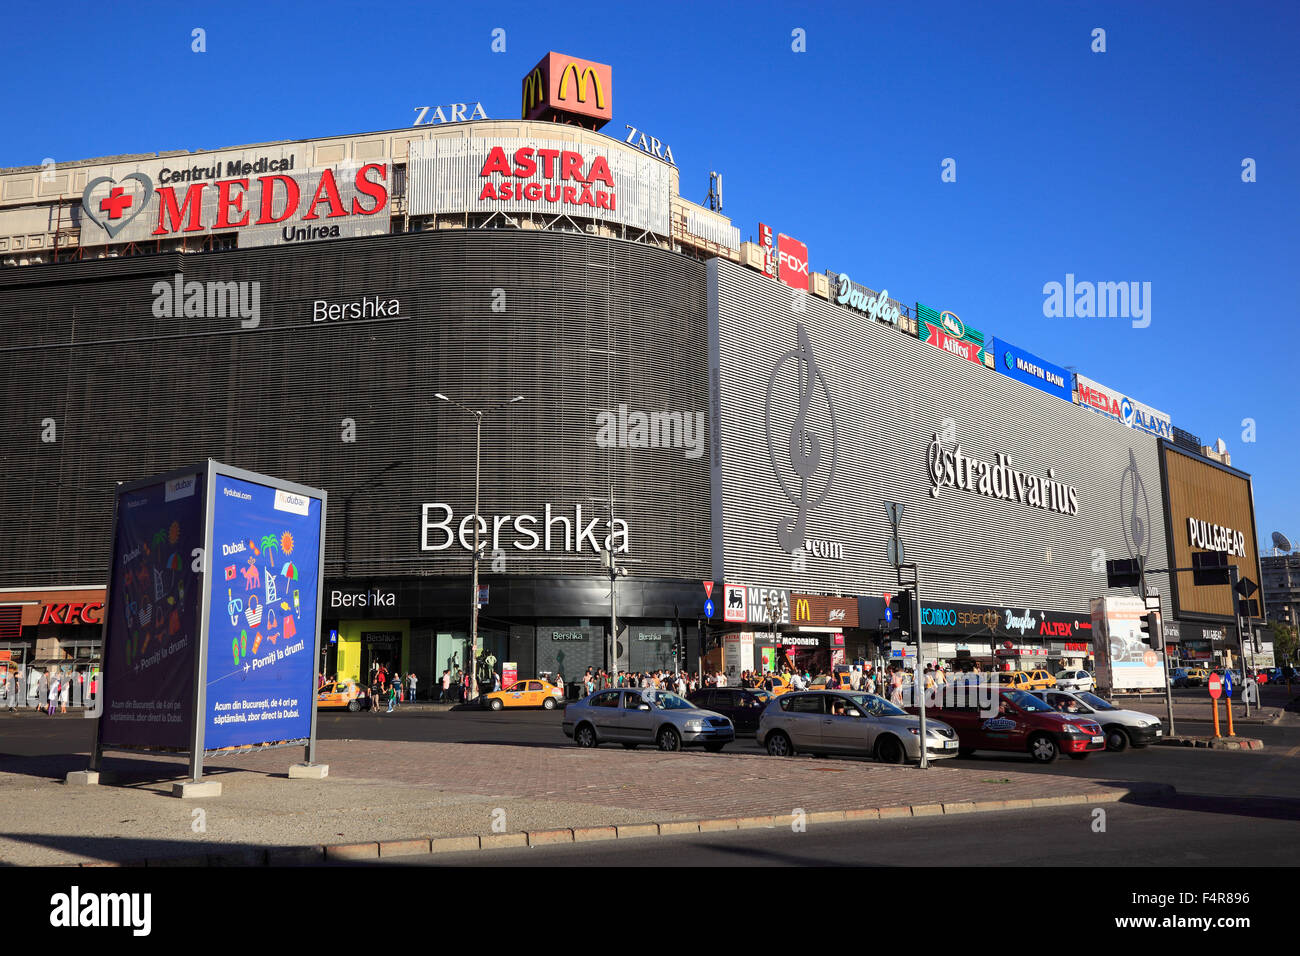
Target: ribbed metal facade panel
[[891, 394], [587, 324]]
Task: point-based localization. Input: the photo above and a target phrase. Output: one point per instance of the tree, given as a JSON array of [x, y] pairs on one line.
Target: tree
[[1285, 643]]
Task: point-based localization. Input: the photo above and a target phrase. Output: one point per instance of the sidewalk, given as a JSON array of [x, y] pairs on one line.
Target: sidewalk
[[1273, 707], [379, 792]]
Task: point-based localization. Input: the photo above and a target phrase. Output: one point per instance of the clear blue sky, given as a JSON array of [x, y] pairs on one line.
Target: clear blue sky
[[1115, 166]]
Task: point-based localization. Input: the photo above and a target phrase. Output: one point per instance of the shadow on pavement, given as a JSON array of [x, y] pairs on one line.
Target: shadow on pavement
[[136, 851]]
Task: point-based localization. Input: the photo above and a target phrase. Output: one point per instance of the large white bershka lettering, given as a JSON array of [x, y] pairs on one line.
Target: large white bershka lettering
[[559, 533]]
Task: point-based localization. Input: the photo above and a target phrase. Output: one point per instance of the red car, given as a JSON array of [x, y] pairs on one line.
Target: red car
[[1023, 724]]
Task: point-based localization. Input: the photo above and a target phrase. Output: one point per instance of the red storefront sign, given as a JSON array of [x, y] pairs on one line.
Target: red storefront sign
[[72, 613], [558, 166], [792, 262]]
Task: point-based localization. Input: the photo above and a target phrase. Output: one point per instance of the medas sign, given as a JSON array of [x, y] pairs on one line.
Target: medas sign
[[951, 468]]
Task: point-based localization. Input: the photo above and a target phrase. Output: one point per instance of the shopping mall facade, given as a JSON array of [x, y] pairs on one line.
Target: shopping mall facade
[[297, 309]]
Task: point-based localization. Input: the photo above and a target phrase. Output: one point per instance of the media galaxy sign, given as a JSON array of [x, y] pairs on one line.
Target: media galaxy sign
[[1125, 410], [268, 198], [1029, 368]]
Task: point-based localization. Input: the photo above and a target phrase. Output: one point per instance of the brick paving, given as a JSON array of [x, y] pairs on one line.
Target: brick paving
[[396, 791]]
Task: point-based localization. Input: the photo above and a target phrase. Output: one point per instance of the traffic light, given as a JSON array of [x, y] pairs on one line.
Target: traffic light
[[1209, 567], [902, 607], [1125, 573], [1150, 627]]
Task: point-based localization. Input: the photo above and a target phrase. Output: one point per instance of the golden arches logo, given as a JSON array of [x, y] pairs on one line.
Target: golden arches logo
[[802, 610], [534, 89], [580, 79]]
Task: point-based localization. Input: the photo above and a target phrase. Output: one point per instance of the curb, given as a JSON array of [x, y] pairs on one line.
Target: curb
[[353, 852], [1214, 743]]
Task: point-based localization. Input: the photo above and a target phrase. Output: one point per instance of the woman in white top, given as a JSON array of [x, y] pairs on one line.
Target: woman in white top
[[63, 695], [53, 696]]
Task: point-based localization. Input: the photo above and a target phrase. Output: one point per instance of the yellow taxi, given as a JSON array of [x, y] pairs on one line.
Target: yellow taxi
[[1017, 679], [525, 693], [780, 684], [1041, 680], [344, 693]]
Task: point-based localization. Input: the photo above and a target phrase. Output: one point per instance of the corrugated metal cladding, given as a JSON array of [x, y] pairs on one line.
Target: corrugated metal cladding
[[588, 324], [444, 178], [890, 395]]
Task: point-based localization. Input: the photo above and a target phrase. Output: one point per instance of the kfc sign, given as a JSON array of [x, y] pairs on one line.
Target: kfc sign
[[792, 262], [75, 613]]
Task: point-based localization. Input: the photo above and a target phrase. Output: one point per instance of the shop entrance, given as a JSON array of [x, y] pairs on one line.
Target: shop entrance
[[380, 648]]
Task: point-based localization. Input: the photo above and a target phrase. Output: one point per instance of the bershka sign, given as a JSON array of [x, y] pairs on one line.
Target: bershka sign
[[558, 533], [1213, 537], [949, 468], [310, 205], [792, 262], [1125, 410], [372, 598]]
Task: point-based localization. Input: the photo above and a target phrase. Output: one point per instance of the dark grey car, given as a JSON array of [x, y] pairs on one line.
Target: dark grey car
[[631, 717]]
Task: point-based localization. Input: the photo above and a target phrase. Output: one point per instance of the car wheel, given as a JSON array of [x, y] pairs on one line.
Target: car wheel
[[778, 745], [585, 735], [670, 740], [889, 749], [1042, 748], [548, 703], [496, 704], [353, 706], [629, 746], [714, 748], [1116, 738]]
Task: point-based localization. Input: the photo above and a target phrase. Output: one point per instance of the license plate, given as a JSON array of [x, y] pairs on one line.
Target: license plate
[[950, 745], [1160, 733], [1098, 740]]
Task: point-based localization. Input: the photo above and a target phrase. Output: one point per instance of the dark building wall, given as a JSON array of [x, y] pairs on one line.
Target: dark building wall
[[584, 325]]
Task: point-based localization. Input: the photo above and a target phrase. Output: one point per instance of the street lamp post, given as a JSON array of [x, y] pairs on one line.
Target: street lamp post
[[472, 662]]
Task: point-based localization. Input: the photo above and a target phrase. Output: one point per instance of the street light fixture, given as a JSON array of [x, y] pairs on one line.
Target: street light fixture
[[472, 663]]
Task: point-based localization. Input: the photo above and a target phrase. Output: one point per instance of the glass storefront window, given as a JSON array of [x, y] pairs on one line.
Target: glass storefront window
[[650, 646]]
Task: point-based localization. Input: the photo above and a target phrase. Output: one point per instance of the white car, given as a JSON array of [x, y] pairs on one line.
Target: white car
[[1121, 727], [1075, 681]]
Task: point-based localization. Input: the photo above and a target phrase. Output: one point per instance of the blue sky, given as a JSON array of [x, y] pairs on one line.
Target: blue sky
[[1115, 166]]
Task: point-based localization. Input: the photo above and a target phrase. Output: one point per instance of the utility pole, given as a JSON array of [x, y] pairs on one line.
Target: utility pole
[[610, 563], [897, 558]]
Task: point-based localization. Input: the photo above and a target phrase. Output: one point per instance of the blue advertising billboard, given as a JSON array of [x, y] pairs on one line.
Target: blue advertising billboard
[[151, 620], [1029, 368], [259, 676]]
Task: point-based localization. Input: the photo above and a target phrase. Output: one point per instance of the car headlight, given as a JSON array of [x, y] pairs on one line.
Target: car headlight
[[1071, 729], [694, 726]]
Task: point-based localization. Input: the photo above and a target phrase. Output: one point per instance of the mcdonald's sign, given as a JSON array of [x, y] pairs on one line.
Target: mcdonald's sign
[[802, 611], [566, 89]]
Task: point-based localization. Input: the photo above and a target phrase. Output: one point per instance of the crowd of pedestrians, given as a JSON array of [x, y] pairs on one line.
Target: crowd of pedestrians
[[48, 691]]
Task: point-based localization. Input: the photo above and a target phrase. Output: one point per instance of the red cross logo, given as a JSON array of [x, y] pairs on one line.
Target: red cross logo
[[116, 203]]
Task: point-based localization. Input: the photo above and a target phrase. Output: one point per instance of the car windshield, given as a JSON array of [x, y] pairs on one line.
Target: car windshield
[[666, 701], [1095, 702], [1027, 702], [876, 706]]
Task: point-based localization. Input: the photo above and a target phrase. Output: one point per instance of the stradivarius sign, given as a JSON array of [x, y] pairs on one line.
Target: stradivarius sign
[[950, 468]]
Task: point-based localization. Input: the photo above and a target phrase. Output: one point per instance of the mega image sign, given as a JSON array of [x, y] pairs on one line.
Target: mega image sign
[[262, 613], [606, 181], [1127, 411], [1029, 368], [945, 330], [269, 197]]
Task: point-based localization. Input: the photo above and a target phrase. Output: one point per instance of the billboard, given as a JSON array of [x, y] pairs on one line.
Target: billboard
[[459, 172], [792, 262], [1029, 368], [1119, 407], [268, 195], [947, 331], [211, 625], [565, 88], [1123, 659], [262, 621], [151, 628]]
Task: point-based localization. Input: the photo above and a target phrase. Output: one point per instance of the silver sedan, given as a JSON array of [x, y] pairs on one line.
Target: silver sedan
[[849, 723], [631, 717]]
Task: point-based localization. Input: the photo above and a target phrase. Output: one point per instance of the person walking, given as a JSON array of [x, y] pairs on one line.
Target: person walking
[[411, 681], [15, 691], [53, 696], [392, 696], [65, 686], [446, 686]]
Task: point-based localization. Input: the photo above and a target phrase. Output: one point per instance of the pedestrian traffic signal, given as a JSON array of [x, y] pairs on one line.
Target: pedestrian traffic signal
[[1151, 633], [902, 606]]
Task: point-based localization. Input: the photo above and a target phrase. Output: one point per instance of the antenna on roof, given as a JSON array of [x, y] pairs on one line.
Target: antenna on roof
[[1280, 542], [715, 191]]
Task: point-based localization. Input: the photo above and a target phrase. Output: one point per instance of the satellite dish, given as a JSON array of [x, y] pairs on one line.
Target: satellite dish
[[1281, 541], [1220, 446]]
